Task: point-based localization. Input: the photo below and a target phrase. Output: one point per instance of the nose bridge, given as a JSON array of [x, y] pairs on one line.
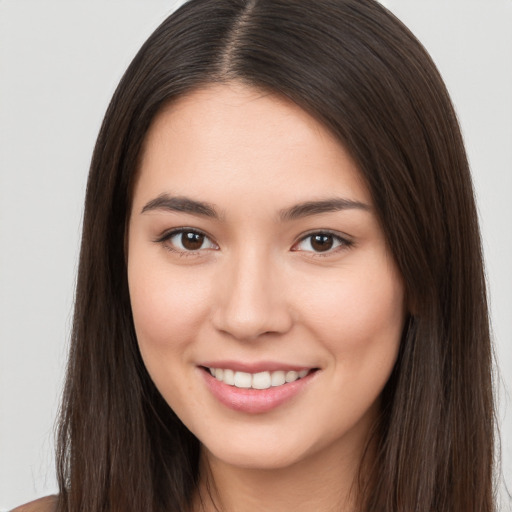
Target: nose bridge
[[253, 300]]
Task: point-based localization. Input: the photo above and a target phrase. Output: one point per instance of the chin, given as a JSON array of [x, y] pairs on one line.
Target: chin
[[267, 452], [260, 459]]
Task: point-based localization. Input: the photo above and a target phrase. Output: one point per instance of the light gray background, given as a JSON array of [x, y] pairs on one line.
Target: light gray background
[[59, 64]]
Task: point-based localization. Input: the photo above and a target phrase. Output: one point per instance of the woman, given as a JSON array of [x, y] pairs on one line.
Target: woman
[[280, 300]]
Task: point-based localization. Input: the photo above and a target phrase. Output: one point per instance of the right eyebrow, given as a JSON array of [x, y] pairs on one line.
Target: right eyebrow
[[323, 206], [181, 204]]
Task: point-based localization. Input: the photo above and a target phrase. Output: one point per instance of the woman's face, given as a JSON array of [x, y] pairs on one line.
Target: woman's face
[[254, 252]]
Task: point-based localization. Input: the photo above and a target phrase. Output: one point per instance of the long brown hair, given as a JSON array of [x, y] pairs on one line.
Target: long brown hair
[[354, 67]]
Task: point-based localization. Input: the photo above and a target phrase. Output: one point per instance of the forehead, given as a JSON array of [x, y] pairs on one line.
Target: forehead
[[240, 138]]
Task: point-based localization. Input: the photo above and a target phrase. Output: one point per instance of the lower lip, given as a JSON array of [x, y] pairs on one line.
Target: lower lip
[[254, 401]]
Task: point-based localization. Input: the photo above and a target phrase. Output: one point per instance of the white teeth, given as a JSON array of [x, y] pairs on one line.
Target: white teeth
[[260, 380], [291, 376], [243, 380], [278, 378], [229, 377]]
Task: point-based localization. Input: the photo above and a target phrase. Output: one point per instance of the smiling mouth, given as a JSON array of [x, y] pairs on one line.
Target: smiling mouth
[[260, 380]]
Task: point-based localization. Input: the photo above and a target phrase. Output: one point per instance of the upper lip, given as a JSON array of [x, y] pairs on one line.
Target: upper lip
[[255, 367]]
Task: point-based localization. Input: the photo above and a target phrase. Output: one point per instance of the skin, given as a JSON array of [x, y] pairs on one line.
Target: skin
[[256, 289], [46, 504]]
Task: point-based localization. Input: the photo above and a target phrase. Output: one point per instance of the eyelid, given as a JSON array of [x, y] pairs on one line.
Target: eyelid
[[169, 234], [344, 242]]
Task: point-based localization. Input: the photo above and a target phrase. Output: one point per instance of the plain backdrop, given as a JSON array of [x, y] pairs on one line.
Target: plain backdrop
[[60, 62]]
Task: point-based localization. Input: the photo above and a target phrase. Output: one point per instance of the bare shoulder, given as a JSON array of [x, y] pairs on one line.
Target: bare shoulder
[[46, 504]]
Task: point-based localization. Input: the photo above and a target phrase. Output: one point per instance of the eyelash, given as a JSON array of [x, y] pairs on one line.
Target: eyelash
[[342, 242], [169, 235]]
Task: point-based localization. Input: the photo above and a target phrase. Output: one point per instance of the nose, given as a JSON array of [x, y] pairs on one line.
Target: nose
[[251, 299]]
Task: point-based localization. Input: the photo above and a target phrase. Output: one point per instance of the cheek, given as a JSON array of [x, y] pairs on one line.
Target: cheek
[[167, 306], [358, 314]]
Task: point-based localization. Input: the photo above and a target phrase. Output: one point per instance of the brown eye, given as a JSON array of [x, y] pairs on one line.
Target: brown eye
[[321, 243], [192, 241], [186, 240]]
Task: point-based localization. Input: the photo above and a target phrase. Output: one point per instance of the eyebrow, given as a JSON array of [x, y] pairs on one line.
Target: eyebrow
[[181, 204], [318, 207], [306, 209]]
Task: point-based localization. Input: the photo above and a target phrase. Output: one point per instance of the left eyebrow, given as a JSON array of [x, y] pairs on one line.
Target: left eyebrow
[[181, 204], [318, 207]]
